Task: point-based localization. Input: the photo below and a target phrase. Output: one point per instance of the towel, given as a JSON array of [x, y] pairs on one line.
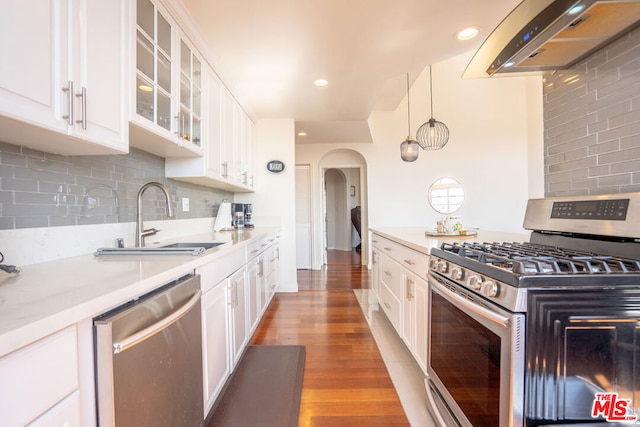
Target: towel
[[223, 219]]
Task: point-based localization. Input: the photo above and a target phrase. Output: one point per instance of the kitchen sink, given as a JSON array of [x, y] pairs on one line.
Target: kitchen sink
[[179, 248], [206, 245]]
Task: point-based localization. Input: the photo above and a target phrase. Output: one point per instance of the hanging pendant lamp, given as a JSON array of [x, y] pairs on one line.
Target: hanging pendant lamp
[[409, 148], [432, 135]]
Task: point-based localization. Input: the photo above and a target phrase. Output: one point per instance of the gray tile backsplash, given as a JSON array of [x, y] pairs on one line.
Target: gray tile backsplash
[[39, 189], [592, 123]]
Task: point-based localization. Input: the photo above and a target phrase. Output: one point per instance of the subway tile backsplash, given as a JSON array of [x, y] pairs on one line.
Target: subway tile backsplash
[[39, 189], [592, 123]]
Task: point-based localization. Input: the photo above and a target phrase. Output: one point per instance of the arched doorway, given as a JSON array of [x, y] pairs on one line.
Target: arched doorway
[[343, 184]]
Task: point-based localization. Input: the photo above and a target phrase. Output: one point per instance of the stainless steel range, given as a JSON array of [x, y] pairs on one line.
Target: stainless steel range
[[541, 332]]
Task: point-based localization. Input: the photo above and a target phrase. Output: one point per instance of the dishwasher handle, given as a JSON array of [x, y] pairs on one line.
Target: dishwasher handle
[[148, 332]]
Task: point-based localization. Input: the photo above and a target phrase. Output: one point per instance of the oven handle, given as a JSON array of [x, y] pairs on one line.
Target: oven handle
[[481, 311]]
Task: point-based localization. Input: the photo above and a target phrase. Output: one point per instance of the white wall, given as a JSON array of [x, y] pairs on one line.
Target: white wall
[[495, 150], [273, 202]]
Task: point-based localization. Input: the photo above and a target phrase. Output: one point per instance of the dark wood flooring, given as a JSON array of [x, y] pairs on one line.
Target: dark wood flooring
[[346, 382]]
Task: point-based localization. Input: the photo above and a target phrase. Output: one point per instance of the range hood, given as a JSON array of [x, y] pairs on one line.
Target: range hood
[[543, 35]]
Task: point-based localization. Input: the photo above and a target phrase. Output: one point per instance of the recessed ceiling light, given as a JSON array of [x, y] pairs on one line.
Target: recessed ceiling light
[[467, 33], [321, 82], [576, 9], [302, 134]]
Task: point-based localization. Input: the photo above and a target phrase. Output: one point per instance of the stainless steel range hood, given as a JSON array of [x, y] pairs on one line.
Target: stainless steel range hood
[[544, 35]]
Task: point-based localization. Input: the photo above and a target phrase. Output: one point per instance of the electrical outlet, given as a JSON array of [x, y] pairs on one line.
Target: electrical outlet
[[185, 204]]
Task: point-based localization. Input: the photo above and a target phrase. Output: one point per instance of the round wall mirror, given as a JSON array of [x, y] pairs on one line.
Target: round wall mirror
[[446, 196]]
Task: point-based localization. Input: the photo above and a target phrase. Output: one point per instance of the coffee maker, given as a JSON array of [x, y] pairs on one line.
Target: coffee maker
[[241, 215]]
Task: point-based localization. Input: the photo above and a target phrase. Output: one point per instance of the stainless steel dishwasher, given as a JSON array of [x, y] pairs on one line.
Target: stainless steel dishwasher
[[149, 359]]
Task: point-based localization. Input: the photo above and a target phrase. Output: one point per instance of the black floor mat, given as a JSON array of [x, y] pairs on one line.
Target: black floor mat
[[264, 390]]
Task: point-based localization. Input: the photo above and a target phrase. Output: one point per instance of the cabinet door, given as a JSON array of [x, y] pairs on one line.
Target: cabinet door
[[254, 292], [214, 147], [33, 66], [100, 41], [408, 310], [420, 349], [375, 271], [154, 68], [190, 109], [239, 324], [215, 346]]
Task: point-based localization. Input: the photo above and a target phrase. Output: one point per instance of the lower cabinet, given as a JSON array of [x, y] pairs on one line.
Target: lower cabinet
[[399, 282], [215, 345], [239, 314], [234, 299], [40, 382]]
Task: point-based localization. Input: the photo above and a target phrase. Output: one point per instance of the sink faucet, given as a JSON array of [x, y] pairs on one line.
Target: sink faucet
[[141, 233]]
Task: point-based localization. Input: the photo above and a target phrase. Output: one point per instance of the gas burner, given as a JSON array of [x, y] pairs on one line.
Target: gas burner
[[533, 259]]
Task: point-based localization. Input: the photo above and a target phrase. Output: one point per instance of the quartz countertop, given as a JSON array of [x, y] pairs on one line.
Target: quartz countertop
[[415, 237], [50, 296]]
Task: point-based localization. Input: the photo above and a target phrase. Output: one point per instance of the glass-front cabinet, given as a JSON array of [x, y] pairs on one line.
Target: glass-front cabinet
[[168, 86], [190, 116]]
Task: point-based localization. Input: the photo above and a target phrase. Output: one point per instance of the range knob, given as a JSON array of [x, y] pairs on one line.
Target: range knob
[[442, 266], [475, 282], [433, 262], [457, 273], [489, 288]]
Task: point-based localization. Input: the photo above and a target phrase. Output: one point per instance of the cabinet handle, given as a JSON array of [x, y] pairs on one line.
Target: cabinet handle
[[83, 107], [386, 304], [387, 249], [245, 178], [251, 178], [137, 337], [387, 273], [409, 284], [69, 91], [254, 251], [374, 241], [225, 169], [410, 261]]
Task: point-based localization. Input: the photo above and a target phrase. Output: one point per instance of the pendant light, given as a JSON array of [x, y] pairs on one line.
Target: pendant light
[[432, 135], [409, 148]]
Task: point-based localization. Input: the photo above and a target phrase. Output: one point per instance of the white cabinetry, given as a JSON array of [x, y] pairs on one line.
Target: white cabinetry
[[400, 283], [228, 153], [41, 382], [167, 103], [63, 75], [215, 345], [239, 313]]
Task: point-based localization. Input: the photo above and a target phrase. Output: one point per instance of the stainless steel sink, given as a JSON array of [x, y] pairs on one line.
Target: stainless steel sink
[[206, 245], [179, 248]]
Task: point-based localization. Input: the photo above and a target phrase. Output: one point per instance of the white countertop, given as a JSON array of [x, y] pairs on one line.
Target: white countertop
[[415, 237], [47, 297]]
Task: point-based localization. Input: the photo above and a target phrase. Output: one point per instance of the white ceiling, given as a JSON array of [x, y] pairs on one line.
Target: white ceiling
[[270, 52]]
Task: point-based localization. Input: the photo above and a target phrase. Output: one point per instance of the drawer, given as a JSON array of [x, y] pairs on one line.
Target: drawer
[[415, 261], [391, 274], [215, 272], [391, 306], [385, 245], [256, 248], [37, 377]]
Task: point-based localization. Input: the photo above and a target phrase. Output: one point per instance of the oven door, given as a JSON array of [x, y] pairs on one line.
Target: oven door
[[476, 359]]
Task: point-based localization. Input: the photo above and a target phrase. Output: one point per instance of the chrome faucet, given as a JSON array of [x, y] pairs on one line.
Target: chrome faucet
[[141, 233]]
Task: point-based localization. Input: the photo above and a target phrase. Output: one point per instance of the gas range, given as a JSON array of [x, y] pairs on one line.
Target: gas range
[[556, 257], [536, 331]]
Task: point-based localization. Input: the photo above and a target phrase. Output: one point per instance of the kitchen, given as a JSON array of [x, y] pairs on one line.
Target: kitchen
[[512, 126]]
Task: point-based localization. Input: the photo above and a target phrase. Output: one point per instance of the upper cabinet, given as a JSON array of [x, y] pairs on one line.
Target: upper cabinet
[[167, 92], [63, 75], [227, 163]]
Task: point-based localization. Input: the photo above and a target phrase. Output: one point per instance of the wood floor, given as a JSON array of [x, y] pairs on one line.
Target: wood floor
[[345, 382]]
